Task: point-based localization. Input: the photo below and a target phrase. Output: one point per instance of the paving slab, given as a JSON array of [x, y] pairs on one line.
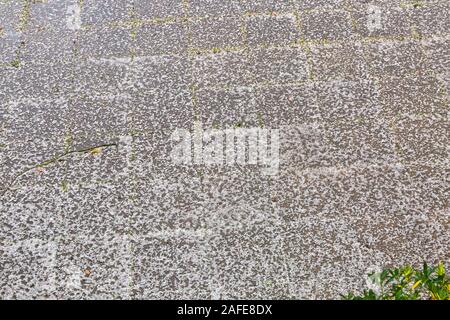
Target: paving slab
[[317, 4], [413, 95], [222, 69], [27, 215], [94, 267], [431, 18], [161, 110], [159, 72], [313, 25], [159, 9], [396, 58], [275, 65], [382, 19], [264, 30], [200, 149], [210, 33], [38, 80], [338, 61], [267, 6], [413, 134], [99, 12], [105, 42], [28, 269], [158, 39], [203, 8], [101, 77]]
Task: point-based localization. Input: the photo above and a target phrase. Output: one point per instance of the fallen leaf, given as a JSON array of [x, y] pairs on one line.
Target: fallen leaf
[[96, 151], [40, 170]]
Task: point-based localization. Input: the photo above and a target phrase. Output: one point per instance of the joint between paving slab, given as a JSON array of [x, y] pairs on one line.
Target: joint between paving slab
[[192, 86], [305, 46], [377, 84], [24, 16]]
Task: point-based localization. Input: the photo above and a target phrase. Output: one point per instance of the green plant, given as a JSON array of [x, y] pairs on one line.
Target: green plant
[[407, 283], [15, 63]]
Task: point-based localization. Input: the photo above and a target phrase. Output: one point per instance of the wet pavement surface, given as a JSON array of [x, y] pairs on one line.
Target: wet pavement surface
[[92, 204]]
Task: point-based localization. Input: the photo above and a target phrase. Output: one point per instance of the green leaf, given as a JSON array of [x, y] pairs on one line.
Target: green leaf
[[440, 269]]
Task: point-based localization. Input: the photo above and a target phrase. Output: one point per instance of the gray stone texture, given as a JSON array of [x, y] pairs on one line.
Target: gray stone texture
[[93, 207]]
